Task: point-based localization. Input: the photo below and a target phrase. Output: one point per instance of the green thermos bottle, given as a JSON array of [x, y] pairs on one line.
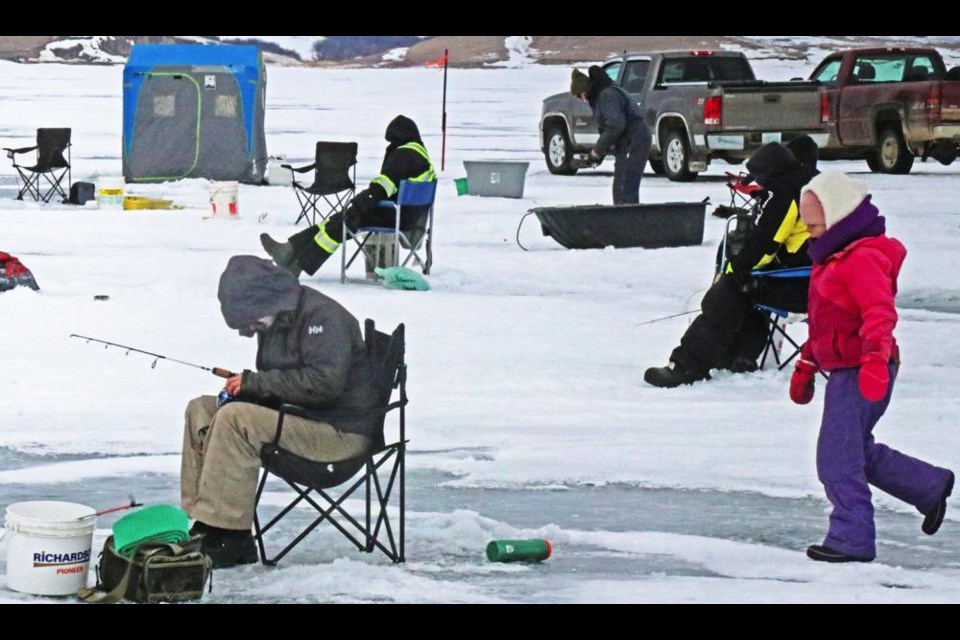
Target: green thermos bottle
[[533, 550]]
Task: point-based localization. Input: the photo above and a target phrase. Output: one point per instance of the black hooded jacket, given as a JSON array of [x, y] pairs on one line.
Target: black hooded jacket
[[619, 119], [779, 172], [313, 354], [398, 164]]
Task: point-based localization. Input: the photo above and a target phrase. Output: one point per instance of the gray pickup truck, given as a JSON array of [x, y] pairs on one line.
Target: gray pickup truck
[[700, 105]]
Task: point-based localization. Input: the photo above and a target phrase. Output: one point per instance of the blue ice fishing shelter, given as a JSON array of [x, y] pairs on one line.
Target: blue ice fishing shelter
[[194, 111]]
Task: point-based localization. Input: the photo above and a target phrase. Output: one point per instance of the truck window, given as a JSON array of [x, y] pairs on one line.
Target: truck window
[[613, 70], [705, 69], [635, 75], [880, 68], [828, 72], [921, 68]]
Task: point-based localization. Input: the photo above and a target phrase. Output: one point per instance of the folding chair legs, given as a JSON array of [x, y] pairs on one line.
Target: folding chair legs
[[33, 188], [777, 328], [377, 497]]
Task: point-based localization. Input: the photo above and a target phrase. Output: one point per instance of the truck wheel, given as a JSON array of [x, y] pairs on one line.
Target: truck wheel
[[892, 154], [559, 152], [676, 155], [657, 166]]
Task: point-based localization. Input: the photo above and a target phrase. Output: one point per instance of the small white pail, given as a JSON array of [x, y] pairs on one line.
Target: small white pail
[[48, 547], [223, 199], [110, 192]]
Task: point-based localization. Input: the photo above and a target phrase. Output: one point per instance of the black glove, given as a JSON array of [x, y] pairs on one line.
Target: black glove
[[364, 202]]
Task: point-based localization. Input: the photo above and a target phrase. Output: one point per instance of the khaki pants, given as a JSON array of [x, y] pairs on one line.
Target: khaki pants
[[220, 465]]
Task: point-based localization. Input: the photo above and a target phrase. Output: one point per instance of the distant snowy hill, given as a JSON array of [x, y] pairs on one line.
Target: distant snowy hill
[[464, 51], [278, 49]]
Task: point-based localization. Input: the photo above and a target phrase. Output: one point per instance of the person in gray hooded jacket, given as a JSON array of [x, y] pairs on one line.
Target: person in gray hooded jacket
[[622, 131], [310, 353]]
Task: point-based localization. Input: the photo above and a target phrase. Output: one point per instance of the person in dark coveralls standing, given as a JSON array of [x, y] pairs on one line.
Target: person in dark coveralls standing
[[310, 352], [405, 159], [622, 131]]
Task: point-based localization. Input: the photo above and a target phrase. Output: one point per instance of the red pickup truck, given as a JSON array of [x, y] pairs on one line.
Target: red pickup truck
[[888, 105]]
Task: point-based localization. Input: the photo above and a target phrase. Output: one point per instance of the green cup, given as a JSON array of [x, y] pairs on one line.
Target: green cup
[[534, 550]]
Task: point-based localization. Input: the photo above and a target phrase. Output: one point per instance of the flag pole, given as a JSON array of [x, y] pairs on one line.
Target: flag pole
[[443, 153]]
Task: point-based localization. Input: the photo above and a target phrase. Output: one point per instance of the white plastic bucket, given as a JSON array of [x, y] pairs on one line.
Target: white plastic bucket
[[110, 192], [223, 198], [48, 547]]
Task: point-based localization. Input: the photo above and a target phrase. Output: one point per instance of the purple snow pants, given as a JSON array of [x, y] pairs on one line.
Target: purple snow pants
[[848, 460]]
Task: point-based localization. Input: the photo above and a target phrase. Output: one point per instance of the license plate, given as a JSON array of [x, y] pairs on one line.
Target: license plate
[[774, 136]]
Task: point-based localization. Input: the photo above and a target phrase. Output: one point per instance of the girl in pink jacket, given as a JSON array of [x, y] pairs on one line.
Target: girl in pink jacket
[[851, 322]]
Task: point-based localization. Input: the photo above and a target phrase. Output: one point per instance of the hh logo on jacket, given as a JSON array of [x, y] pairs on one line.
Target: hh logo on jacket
[[315, 329]]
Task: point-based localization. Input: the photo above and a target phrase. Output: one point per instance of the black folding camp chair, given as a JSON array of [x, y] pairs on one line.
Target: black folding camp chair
[[44, 178], [326, 486], [334, 181]]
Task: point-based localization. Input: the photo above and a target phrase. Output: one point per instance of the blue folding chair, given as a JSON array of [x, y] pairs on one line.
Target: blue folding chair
[[381, 246], [779, 318]]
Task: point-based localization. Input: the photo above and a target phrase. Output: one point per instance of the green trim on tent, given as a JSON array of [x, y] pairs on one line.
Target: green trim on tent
[[196, 155]]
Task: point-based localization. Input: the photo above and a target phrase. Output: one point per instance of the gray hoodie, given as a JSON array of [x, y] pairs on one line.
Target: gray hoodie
[[313, 355]]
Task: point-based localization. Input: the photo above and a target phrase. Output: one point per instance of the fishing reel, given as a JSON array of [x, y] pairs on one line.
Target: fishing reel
[[224, 397]]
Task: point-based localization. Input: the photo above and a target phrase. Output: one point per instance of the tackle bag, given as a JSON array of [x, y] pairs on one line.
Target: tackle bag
[[156, 572]]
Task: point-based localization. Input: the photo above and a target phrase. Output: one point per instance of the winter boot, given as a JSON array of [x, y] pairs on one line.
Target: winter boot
[[743, 364], [935, 518], [672, 376], [282, 253], [226, 547], [821, 553]]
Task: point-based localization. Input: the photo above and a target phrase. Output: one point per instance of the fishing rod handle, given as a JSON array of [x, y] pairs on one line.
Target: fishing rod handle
[[222, 373]]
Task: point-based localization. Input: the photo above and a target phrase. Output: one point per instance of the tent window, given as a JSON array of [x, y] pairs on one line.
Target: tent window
[[225, 106], [165, 106]]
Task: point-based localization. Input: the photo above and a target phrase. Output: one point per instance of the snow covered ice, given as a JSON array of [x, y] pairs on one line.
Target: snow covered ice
[[528, 414]]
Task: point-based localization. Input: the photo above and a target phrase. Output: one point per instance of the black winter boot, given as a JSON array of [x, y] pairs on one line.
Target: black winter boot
[[672, 376], [821, 553], [226, 547], [282, 253], [935, 518]]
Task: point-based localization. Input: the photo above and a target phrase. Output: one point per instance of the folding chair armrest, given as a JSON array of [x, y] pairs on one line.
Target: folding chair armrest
[[305, 169], [288, 409], [22, 149], [13, 152], [792, 272]]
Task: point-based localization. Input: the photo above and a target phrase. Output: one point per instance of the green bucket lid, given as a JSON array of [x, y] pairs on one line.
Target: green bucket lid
[[158, 523]]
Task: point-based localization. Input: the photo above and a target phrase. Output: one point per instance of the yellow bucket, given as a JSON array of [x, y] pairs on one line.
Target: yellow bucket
[[137, 203]]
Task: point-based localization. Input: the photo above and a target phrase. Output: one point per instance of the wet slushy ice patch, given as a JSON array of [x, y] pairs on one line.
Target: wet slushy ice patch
[[604, 537]]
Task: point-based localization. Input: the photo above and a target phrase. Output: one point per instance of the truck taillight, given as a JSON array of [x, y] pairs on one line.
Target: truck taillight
[[824, 108], [712, 107], [933, 102]]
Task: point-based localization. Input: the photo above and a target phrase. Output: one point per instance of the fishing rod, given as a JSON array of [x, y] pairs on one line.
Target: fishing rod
[[222, 373], [133, 504], [675, 315]]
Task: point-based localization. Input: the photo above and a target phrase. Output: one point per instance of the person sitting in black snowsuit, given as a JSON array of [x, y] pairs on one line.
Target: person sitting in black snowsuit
[[405, 159], [730, 333]]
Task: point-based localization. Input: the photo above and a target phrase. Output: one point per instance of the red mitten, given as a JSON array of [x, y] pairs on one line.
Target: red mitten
[[874, 377], [801, 384]]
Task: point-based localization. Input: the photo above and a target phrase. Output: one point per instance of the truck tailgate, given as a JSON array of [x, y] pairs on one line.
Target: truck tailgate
[[950, 101], [771, 107]]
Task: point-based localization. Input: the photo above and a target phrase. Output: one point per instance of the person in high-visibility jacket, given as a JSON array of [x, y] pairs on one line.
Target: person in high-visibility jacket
[[405, 159], [730, 333]]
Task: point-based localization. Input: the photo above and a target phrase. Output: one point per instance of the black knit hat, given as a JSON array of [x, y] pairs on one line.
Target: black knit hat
[[579, 83]]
